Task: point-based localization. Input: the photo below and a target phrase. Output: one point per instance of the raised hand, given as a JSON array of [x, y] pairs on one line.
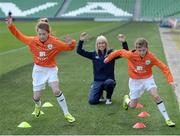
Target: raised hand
[[121, 38], [67, 39], [9, 21], [83, 36]]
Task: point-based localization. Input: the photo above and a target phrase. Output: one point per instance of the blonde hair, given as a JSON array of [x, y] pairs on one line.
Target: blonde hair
[[102, 38], [141, 42]]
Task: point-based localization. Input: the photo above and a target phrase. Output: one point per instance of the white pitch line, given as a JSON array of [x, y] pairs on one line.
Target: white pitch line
[[13, 50], [172, 56]]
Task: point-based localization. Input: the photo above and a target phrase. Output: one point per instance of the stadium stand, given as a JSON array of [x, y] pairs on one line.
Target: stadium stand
[[177, 15], [159, 8], [30, 8], [131, 9], [100, 8]]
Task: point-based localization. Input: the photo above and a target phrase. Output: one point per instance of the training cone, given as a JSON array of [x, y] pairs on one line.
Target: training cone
[[24, 125], [34, 113], [138, 106], [143, 114], [139, 125], [47, 104]]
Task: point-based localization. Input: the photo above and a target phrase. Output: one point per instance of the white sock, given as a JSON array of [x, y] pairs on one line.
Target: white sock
[[163, 111], [37, 102], [127, 100], [62, 102]]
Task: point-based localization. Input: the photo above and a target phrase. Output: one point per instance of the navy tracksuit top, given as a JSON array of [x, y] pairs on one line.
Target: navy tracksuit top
[[101, 70]]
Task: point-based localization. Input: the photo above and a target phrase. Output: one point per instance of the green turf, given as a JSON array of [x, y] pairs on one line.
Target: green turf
[[75, 74]]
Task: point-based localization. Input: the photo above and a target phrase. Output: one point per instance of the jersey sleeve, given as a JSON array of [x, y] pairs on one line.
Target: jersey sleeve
[[23, 38], [166, 71], [83, 52], [121, 53], [125, 45], [61, 46]]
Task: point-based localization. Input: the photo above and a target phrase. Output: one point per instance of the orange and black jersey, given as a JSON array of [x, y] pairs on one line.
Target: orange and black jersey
[[141, 68], [43, 53]]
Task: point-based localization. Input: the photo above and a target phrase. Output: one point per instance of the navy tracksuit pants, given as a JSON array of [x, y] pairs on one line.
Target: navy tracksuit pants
[[97, 88]]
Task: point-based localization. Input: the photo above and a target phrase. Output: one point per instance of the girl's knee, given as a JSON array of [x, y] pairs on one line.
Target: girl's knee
[[157, 99], [56, 92], [35, 98]]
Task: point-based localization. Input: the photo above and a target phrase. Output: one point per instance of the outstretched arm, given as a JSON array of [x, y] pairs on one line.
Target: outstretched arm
[[81, 51], [68, 45], [166, 71], [123, 53], [25, 39]]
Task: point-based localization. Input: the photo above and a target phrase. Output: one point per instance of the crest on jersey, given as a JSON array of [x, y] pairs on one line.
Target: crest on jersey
[[147, 62], [97, 57], [50, 46]]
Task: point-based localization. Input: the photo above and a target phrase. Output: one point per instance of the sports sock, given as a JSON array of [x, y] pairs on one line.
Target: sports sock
[[37, 102], [127, 100], [62, 102], [162, 109]]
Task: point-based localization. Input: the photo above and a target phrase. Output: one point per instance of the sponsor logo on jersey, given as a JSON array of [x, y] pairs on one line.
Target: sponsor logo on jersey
[[139, 68], [50, 46], [42, 54]]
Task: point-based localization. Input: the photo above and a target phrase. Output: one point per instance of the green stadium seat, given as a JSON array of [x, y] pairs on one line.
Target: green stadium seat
[[125, 5], [30, 8]]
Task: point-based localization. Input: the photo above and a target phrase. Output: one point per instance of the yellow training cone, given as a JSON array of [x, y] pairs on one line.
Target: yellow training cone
[[34, 113], [47, 104], [24, 125]]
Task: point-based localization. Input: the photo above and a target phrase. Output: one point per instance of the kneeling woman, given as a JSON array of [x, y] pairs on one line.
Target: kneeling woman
[[103, 73]]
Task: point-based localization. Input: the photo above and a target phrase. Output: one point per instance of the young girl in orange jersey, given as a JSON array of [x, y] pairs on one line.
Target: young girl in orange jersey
[[45, 48], [140, 63]]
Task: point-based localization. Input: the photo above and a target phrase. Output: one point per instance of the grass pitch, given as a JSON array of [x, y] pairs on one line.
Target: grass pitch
[[75, 73]]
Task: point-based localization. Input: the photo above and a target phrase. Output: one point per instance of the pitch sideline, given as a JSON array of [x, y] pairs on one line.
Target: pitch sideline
[[172, 56]]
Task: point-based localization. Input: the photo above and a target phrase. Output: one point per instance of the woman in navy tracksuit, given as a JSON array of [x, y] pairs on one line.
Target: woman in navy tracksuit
[[103, 73]]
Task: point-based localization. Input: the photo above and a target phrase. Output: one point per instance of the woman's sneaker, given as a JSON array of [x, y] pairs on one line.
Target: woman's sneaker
[[108, 102]]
